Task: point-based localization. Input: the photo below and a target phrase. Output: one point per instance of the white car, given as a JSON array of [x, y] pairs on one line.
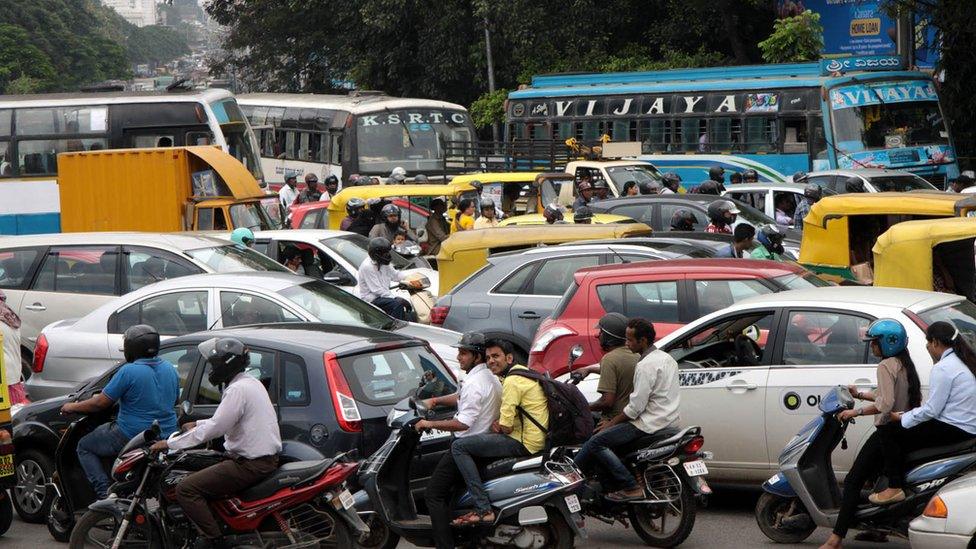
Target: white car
[[949, 520], [71, 351], [875, 180], [751, 397], [764, 196]]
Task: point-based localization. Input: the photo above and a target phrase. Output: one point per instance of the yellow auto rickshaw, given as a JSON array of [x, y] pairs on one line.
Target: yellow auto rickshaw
[[520, 193], [932, 254], [7, 478], [840, 231], [465, 252], [420, 194]]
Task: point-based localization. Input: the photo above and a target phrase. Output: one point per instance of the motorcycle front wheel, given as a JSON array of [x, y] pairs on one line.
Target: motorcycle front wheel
[[770, 512], [97, 529], [380, 535]]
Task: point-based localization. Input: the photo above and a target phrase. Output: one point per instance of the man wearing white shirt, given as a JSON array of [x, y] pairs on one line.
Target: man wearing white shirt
[[288, 193], [478, 403], [247, 421]]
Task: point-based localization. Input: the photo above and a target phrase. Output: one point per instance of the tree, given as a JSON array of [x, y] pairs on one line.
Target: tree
[[23, 67], [489, 108], [794, 39]]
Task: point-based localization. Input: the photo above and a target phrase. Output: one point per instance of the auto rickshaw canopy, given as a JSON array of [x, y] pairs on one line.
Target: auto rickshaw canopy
[[904, 256], [465, 252], [337, 206]]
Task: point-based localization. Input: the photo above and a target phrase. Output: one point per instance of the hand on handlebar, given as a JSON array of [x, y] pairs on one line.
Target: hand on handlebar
[[422, 425], [159, 446], [847, 415]]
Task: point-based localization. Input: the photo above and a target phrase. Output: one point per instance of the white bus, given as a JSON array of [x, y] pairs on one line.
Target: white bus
[[35, 128], [364, 133]]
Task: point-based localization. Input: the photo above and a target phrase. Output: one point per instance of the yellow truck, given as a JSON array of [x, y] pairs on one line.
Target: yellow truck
[[161, 190]]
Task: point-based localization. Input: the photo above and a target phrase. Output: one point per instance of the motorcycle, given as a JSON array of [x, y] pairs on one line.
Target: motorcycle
[[421, 300], [669, 465], [533, 498], [300, 505], [804, 493]]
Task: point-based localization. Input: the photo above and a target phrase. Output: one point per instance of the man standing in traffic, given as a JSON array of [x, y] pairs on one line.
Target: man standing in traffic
[[311, 192], [811, 195], [477, 406], [515, 434], [653, 406], [288, 193], [331, 188], [146, 388], [741, 242], [616, 368], [487, 219], [248, 422]]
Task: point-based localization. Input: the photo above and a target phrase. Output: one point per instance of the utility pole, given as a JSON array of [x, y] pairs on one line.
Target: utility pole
[[905, 31], [491, 76]]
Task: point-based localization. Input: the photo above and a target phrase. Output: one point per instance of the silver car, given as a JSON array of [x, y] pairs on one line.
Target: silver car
[[72, 351], [51, 277], [949, 520]]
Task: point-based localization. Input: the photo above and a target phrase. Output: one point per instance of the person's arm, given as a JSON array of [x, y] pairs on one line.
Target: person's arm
[[643, 385], [94, 404], [468, 411], [607, 386], [511, 397], [228, 413], [939, 385]]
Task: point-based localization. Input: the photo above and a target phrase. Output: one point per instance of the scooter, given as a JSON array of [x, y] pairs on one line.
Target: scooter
[[421, 300], [533, 498], [805, 495]]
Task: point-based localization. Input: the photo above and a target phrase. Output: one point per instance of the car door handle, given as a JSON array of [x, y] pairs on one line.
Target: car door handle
[[36, 307], [528, 315], [740, 384]]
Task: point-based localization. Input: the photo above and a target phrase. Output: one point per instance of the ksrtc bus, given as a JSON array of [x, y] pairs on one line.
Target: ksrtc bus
[[777, 119], [364, 133], [35, 128]]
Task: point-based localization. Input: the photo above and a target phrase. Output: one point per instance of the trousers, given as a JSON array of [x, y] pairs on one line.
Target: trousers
[[487, 445], [599, 449], [439, 497], [105, 441], [217, 481], [396, 307]]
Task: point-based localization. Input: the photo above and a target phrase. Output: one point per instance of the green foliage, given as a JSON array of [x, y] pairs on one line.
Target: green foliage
[[489, 108], [22, 65], [154, 44], [798, 38]]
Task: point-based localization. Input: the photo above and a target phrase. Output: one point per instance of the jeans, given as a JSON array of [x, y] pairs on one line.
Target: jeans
[[105, 441], [439, 498], [600, 449], [487, 445], [396, 307]]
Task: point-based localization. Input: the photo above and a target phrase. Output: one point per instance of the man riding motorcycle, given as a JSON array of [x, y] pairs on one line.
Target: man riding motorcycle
[[248, 422], [770, 243], [376, 275]]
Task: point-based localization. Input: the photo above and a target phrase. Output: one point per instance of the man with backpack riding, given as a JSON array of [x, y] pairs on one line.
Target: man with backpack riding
[[653, 406]]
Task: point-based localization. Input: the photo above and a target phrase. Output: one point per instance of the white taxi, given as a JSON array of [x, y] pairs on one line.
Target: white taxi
[[752, 374]]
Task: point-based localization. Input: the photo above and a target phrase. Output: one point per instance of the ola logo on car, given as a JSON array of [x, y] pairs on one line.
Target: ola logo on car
[[791, 401]]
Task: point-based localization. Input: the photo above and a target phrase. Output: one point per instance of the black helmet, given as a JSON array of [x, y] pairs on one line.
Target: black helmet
[[750, 176], [380, 250], [652, 186], [613, 325], [799, 176], [388, 210], [736, 177], [487, 204], [474, 342], [854, 185], [672, 181], [140, 341], [420, 178], [718, 210], [813, 192], [683, 220], [331, 180], [355, 206], [716, 173], [710, 187], [553, 213], [582, 215], [227, 357], [771, 237]]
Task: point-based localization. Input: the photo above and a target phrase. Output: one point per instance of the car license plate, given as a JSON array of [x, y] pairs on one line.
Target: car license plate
[[345, 499], [433, 434], [6, 465], [695, 468], [572, 502]]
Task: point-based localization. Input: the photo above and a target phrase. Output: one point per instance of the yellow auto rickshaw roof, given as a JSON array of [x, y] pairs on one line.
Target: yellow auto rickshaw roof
[[386, 191], [539, 219], [892, 203], [536, 234], [903, 254]]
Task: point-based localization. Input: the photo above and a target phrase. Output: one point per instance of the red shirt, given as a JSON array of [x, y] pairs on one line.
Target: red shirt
[[713, 228]]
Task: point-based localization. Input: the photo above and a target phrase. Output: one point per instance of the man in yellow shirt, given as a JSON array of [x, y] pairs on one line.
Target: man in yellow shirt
[[513, 435]]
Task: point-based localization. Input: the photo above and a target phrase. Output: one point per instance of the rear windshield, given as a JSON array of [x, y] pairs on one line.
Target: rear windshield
[[801, 281], [961, 313], [234, 259], [388, 377], [564, 301], [330, 304], [901, 183]]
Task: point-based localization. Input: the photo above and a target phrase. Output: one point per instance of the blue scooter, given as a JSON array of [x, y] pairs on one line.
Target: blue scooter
[[805, 494]]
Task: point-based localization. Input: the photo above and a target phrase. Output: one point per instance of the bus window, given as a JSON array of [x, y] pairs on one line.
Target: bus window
[[794, 136], [655, 135], [144, 141], [564, 130], [198, 138], [818, 143], [723, 133], [539, 131], [691, 135], [760, 134], [40, 157], [588, 130], [336, 148], [6, 166], [62, 120], [6, 116]]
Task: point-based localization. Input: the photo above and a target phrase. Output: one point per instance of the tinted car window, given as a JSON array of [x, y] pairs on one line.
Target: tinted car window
[[385, 378], [656, 301], [640, 212], [294, 387], [555, 274], [513, 284], [79, 271], [184, 358], [262, 368], [826, 182], [15, 267], [820, 337], [177, 313], [668, 211], [144, 267], [232, 258], [901, 183], [239, 309], [719, 294]]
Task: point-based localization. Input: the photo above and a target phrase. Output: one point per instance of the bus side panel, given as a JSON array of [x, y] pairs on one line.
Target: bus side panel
[[137, 190], [29, 206], [693, 168]]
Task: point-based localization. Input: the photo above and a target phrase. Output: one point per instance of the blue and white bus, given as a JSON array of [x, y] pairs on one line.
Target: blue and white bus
[[777, 119], [35, 128]]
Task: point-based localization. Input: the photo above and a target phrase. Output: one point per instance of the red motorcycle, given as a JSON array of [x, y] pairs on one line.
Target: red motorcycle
[[302, 504]]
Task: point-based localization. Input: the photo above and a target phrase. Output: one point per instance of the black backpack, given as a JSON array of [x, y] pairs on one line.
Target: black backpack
[[570, 419]]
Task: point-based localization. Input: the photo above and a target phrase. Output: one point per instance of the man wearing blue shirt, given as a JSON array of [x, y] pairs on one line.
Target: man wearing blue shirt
[[742, 242], [146, 388]]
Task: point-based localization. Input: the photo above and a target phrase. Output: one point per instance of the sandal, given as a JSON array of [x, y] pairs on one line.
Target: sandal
[[474, 518]]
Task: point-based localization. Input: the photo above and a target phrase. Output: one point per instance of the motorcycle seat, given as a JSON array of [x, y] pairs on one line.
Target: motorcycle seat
[[286, 475], [935, 452], [659, 438], [505, 466]]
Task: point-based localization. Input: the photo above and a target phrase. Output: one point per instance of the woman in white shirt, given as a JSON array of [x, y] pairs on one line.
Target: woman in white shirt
[[10, 328]]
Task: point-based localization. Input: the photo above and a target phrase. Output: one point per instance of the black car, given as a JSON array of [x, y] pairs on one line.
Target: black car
[[333, 387]]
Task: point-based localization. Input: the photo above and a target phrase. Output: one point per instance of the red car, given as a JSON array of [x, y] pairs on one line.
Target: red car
[[669, 293], [315, 215]]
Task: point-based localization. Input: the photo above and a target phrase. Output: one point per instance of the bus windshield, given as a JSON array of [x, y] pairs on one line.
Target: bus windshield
[[240, 142], [411, 139], [887, 116]]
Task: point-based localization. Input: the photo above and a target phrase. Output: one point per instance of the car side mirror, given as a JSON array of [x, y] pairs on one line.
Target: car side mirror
[[339, 278], [186, 407]]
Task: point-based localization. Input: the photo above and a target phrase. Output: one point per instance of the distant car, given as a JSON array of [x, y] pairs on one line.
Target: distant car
[[875, 180], [539, 219], [332, 386], [71, 351], [52, 277], [510, 296], [764, 196], [315, 215], [668, 293], [949, 520]]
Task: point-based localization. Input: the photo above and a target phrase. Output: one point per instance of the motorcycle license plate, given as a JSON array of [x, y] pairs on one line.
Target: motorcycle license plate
[[695, 468], [573, 503], [6, 465], [433, 434], [345, 499]]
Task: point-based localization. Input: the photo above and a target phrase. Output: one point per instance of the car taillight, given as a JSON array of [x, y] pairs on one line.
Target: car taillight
[[438, 315], [544, 339], [922, 325], [346, 409], [694, 445], [40, 353]]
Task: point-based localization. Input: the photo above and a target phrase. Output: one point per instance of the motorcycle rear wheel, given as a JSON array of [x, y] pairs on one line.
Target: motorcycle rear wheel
[[59, 530], [769, 509], [380, 535], [97, 529], [649, 520]]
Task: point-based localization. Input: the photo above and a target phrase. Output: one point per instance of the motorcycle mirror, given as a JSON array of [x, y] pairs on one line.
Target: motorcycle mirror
[[576, 352], [186, 407]]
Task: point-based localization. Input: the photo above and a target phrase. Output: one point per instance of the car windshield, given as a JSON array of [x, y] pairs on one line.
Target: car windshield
[[637, 173], [412, 139], [385, 378], [961, 313], [800, 281], [330, 304], [901, 183], [352, 248], [232, 258]]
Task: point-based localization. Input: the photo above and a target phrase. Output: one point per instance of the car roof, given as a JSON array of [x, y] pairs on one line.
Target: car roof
[[762, 267], [341, 339], [863, 172], [690, 197], [913, 300], [607, 163], [183, 241], [573, 248], [795, 187]]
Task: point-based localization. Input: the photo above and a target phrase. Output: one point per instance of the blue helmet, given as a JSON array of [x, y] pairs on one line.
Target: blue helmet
[[243, 236], [890, 335]]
